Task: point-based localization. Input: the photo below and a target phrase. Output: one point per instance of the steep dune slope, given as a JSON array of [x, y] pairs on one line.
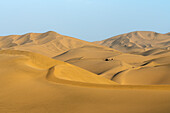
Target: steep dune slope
[[145, 75], [106, 63], [63, 48], [32, 83], [63, 71], [138, 41], [88, 52], [120, 67], [152, 71], [49, 43], [100, 60], [150, 65], [91, 58]]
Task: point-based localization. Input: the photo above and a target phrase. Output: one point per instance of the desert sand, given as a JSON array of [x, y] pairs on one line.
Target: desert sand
[[52, 73], [138, 41]]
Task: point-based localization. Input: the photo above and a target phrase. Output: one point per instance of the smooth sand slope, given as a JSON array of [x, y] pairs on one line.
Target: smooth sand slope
[[120, 67], [32, 83], [91, 58]]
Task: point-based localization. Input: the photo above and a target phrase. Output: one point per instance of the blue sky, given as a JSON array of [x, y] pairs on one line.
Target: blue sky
[[89, 20]]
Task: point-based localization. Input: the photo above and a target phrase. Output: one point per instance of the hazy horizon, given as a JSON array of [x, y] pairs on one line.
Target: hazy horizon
[[89, 20]]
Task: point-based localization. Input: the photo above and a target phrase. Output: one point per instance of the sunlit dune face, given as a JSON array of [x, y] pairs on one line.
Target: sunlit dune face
[[52, 73]]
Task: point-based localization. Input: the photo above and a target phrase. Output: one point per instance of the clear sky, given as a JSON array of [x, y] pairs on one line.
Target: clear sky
[[89, 20]]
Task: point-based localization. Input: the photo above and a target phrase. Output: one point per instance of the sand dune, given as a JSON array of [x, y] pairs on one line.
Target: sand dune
[[62, 70], [48, 44], [89, 57], [124, 67], [97, 59], [150, 74], [33, 83], [94, 59], [82, 77], [138, 41]]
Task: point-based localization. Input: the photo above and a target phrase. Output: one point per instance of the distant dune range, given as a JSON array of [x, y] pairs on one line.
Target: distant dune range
[[49, 43], [49, 72], [138, 41]]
